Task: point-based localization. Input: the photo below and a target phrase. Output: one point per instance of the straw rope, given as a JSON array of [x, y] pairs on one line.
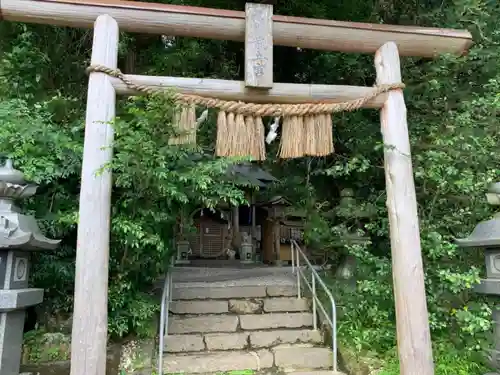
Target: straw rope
[[252, 109], [306, 128]]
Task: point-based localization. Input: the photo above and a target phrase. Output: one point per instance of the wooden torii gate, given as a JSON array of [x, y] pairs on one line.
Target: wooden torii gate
[[387, 42]]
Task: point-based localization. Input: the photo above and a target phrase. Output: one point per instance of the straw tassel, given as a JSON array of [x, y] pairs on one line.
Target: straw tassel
[[301, 135], [329, 132], [190, 134], [251, 146], [325, 135], [310, 136], [319, 125], [173, 140], [231, 133], [260, 133], [183, 123], [221, 146], [180, 121], [240, 139], [255, 147], [292, 138]]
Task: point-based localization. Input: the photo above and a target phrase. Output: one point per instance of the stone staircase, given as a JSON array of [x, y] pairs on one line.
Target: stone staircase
[[253, 324]]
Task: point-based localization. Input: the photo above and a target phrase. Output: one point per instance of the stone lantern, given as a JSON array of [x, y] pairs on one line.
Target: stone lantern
[[19, 235], [352, 214], [486, 235]]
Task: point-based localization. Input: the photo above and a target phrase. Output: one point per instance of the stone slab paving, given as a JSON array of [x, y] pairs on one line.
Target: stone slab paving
[[266, 339], [202, 324], [199, 277], [184, 343], [179, 324], [281, 290], [302, 356], [239, 306], [218, 292], [275, 321], [210, 291], [240, 340], [246, 306], [289, 304], [218, 361], [312, 372], [241, 319], [285, 357], [231, 275], [227, 341], [199, 307]]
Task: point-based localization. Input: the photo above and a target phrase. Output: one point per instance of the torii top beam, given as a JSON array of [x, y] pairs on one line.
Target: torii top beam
[[174, 20]]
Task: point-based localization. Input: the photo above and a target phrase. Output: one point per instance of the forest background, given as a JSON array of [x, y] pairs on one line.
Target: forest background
[[453, 105]]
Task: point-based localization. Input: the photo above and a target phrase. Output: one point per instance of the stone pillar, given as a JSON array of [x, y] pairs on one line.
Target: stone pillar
[[19, 235], [486, 235]]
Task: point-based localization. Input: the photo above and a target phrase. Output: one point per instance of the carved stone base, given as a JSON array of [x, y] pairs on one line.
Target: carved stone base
[[11, 340]]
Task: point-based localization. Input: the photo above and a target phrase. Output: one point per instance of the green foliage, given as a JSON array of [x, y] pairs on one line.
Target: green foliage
[[153, 183], [448, 361]]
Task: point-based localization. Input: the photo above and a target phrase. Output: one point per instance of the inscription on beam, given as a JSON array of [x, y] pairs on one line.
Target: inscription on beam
[[259, 45]]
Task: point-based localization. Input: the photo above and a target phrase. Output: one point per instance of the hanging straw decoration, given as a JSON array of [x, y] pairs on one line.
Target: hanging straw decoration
[[185, 125], [221, 148], [306, 129], [240, 136]]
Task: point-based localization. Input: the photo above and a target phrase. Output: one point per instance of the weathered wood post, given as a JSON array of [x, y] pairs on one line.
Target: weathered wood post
[[259, 45], [90, 315], [413, 334]]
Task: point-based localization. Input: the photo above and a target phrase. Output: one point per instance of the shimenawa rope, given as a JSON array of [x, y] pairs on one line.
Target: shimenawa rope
[[307, 127]]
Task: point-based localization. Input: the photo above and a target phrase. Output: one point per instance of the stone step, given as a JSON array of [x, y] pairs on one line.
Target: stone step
[[275, 320], [297, 357], [266, 339], [199, 307], [317, 372], [285, 357], [208, 292], [285, 304], [217, 362], [202, 324], [179, 324], [239, 306], [239, 340]]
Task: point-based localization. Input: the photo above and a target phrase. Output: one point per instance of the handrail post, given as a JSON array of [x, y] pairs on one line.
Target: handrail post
[[292, 250], [315, 318], [166, 298], [334, 338], [171, 286], [315, 280], [299, 291]]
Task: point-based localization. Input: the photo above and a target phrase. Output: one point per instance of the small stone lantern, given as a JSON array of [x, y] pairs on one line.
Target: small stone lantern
[[352, 214], [183, 252], [486, 235], [247, 250], [19, 235]]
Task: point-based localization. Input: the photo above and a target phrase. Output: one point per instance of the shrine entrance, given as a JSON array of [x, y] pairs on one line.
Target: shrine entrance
[[300, 109]]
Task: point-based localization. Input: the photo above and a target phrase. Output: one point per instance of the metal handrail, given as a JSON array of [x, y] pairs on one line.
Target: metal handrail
[[166, 298], [298, 256]]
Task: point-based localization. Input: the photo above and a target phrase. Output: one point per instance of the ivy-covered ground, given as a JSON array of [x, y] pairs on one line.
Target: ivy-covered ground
[[453, 105]]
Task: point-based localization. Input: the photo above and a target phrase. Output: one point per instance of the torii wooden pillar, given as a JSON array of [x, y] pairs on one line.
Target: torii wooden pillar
[[90, 313], [412, 321]]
